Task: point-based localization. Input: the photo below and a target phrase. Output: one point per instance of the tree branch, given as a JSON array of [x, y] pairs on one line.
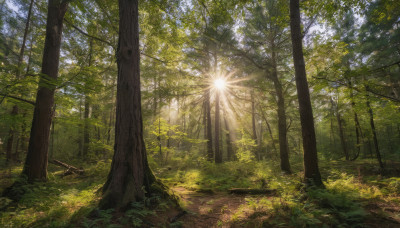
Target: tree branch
[[385, 66], [358, 90], [18, 98], [88, 35]]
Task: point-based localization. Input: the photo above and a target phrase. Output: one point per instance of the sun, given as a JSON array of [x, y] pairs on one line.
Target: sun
[[220, 83]]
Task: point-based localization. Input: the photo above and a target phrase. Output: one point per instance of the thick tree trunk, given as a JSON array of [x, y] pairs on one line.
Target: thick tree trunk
[[283, 142], [130, 177], [35, 167], [311, 171], [218, 154]]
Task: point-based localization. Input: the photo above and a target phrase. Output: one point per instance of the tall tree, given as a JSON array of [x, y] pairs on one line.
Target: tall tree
[[311, 171], [35, 167], [15, 109], [266, 27], [218, 152], [130, 177]]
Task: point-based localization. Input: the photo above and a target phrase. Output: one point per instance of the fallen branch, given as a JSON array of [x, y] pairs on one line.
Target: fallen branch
[[252, 191], [70, 169]]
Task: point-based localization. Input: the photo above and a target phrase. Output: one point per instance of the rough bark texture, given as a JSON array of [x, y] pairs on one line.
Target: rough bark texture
[[311, 170], [282, 129], [35, 167], [218, 154], [130, 177]]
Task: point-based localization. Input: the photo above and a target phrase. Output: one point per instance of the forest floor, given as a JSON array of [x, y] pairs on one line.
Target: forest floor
[[355, 196]]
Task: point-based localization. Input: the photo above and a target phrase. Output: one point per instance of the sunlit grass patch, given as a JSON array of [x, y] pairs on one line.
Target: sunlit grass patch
[[55, 203]]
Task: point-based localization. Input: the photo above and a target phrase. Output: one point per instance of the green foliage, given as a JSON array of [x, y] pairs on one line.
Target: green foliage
[[245, 148]]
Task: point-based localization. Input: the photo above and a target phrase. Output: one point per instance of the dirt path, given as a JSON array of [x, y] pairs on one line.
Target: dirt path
[[208, 210], [218, 210]]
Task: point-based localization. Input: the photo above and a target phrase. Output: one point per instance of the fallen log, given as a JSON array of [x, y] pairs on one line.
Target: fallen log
[[70, 169], [252, 191]]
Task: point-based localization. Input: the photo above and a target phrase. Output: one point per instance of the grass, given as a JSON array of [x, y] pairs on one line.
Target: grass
[[352, 193]]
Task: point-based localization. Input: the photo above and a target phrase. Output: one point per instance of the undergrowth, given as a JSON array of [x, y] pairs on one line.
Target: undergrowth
[[70, 201]]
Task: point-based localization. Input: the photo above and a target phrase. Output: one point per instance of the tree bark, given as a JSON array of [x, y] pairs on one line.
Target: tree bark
[[253, 125], [229, 149], [282, 129], [210, 153], [341, 133], [311, 171], [21, 53], [11, 135], [35, 167], [372, 123], [270, 134], [357, 126], [130, 177], [86, 125], [15, 108], [218, 154]]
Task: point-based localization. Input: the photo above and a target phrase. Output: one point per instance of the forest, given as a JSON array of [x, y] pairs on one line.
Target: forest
[[200, 113]]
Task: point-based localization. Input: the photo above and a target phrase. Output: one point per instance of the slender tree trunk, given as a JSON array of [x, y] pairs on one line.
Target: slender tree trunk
[[205, 127], [130, 177], [15, 109], [270, 133], [110, 122], [21, 53], [51, 154], [28, 65], [86, 140], [311, 171], [341, 133], [11, 135], [356, 123], [210, 153], [229, 150], [86, 126], [35, 167], [372, 123], [80, 130], [283, 145], [253, 124], [218, 154]]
